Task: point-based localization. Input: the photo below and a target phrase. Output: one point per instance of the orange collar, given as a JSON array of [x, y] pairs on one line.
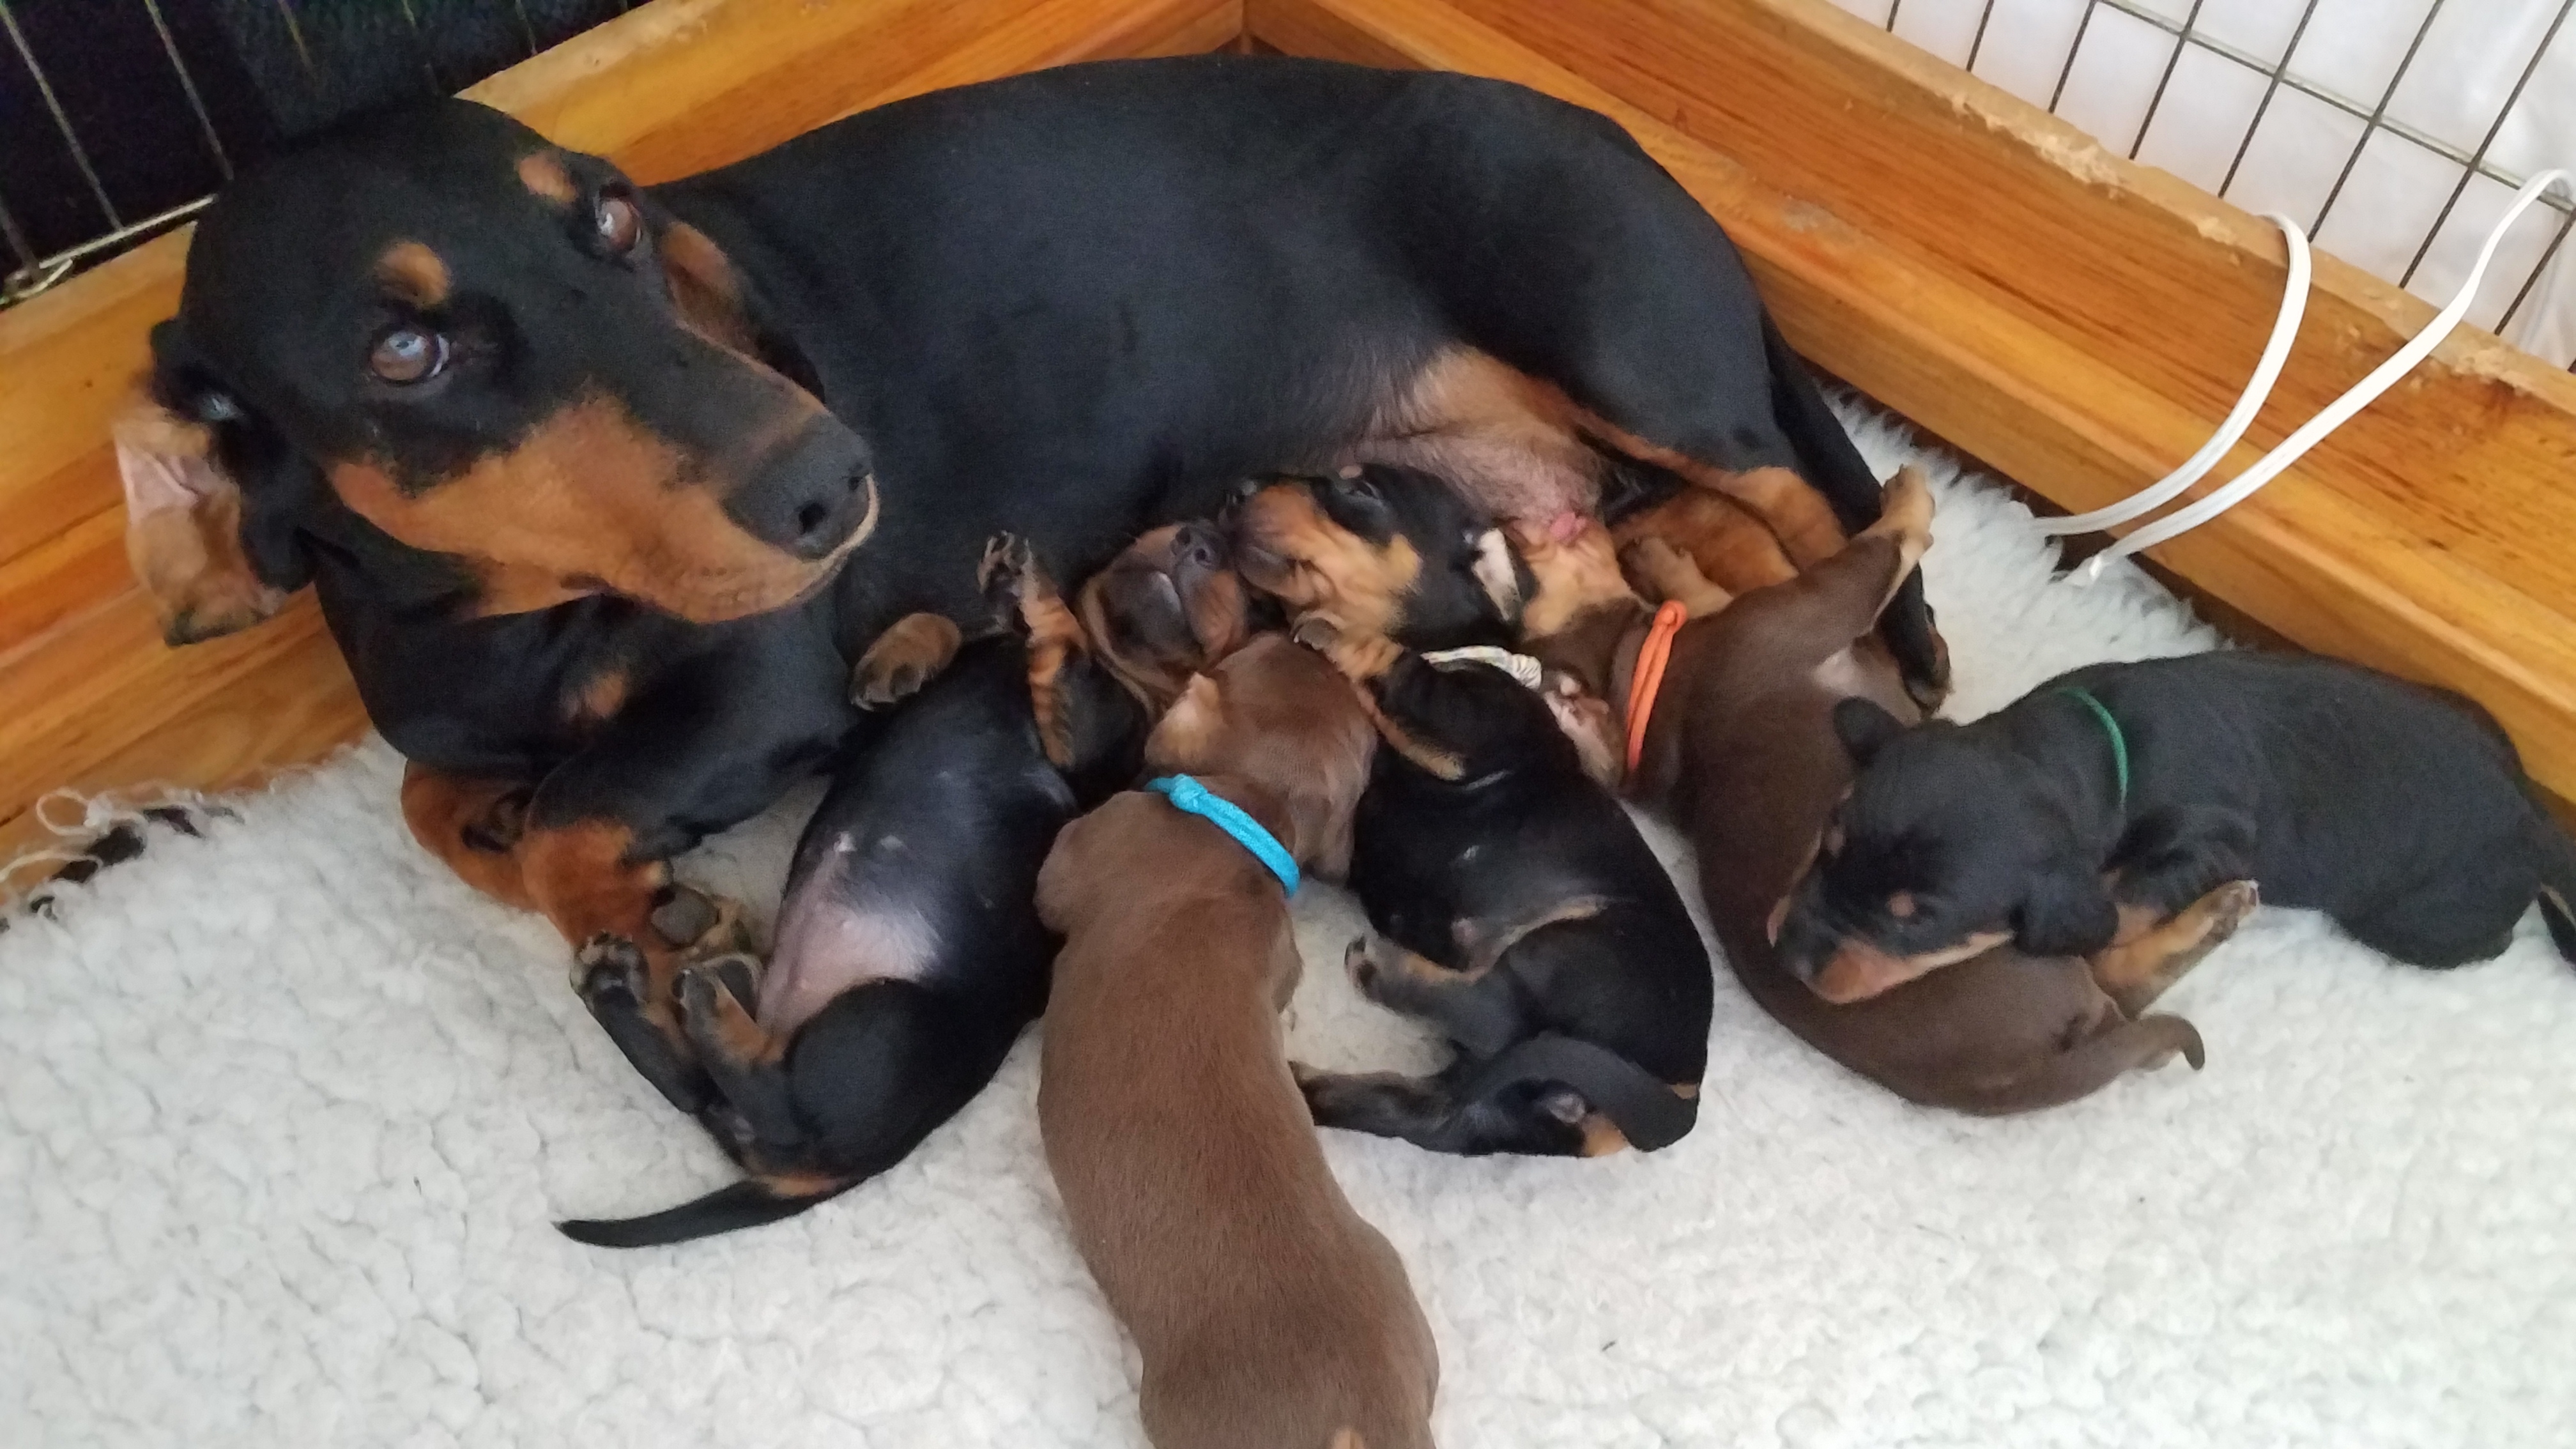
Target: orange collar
[[1648, 677]]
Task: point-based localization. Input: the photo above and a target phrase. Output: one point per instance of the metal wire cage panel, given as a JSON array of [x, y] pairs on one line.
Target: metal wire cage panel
[[2394, 130], [119, 117]]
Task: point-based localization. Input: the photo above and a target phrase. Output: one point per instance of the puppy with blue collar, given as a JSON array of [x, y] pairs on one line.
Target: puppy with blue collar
[[1266, 1311]]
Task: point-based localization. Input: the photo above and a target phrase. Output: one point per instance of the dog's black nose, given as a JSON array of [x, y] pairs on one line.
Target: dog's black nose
[[811, 500], [826, 521]]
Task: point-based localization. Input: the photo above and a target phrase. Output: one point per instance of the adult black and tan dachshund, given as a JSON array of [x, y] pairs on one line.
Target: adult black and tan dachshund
[[603, 486]]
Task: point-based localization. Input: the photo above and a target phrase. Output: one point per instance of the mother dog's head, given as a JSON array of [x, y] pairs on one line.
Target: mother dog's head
[[488, 350]]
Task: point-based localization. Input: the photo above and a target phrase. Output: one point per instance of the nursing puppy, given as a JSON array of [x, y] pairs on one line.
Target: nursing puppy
[[907, 956], [1380, 550], [908, 952], [1739, 750], [1268, 1314], [2105, 800], [1520, 912]]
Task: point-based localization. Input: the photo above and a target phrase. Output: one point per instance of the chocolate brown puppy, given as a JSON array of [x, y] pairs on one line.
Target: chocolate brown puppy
[[1740, 750], [1168, 607], [1268, 1314]]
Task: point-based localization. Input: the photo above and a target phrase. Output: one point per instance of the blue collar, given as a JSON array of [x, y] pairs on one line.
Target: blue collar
[[1189, 795]]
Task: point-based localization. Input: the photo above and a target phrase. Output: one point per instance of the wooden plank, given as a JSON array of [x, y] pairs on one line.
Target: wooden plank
[[89, 697], [2076, 321]]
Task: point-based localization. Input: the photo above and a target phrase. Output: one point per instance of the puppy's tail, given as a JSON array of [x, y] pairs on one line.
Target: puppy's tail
[[1647, 1112], [2083, 1069], [745, 1204]]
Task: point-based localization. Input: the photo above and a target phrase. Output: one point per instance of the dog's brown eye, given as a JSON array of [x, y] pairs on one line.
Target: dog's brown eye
[[407, 355], [619, 223]]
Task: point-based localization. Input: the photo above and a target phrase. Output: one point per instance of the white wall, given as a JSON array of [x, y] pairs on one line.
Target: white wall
[[2471, 57]]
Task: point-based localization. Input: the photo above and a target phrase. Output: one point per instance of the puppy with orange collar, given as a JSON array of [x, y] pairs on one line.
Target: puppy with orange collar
[[1724, 710]]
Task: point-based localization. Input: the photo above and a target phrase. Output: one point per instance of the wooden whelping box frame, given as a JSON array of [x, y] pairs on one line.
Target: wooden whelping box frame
[[2074, 320]]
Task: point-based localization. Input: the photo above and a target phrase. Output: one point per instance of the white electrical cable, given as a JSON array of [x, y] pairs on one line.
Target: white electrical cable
[[2337, 413], [2294, 306]]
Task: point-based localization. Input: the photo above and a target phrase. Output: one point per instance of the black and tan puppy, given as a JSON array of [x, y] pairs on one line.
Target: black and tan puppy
[[908, 954], [2110, 797], [1519, 911], [1382, 551]]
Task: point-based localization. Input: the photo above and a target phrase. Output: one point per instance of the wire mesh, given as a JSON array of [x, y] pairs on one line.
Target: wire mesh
[[118, 118], [2178, 36], [61, 208]]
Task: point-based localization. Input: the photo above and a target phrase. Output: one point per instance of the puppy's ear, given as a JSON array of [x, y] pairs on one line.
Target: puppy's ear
[[1864, 728], [2067, 912], [1323, 806], [184, 511]]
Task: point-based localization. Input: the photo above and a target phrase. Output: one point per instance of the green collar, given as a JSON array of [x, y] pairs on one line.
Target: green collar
[[2111, 727]]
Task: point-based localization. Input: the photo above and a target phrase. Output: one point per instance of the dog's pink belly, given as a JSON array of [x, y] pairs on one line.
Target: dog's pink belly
[[833, 936]]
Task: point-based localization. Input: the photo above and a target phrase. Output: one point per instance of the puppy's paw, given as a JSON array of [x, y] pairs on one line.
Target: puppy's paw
[[713, 989], [611, 974], [1318, 632], [1361, 965], [1905, 514], [699, 924], [904, 658], [2229, 907], [1003, 574], [614, 978], [1360, 657]]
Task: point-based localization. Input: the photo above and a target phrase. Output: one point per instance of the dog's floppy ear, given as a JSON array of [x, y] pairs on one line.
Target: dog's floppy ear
[[184, 512], [1324, 805], [2067, 912], [1864, 728], [712, 298]]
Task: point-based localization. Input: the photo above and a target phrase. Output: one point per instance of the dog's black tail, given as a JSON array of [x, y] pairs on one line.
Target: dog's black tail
[[1649, 1113], [2557, 858], [745, 1204]]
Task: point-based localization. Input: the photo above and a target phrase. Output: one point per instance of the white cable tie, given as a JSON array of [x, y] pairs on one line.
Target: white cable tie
[[2361, 395], [2258, 390]]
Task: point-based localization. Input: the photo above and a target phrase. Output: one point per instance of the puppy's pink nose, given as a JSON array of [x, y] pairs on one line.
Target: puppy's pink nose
[[1565, 526]]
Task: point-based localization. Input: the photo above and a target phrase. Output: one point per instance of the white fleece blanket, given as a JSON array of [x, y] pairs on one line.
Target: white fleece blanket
[[285, 1114]]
